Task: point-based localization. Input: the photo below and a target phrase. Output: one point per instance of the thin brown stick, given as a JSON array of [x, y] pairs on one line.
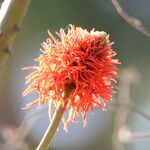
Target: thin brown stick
[[136, 23], [12, 13]]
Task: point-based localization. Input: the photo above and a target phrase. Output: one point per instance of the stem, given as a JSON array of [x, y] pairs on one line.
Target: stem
[[52, 128], [12, 13]]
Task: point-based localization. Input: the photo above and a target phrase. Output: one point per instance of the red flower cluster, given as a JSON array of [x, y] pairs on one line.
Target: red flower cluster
[[79, 58]]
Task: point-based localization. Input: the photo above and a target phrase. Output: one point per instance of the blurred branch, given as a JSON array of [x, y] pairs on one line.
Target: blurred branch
[[139, 136], [15, 138], [136, 23], [132, 108], [127, 76], [125, 136], [121, 134], [12, 13]]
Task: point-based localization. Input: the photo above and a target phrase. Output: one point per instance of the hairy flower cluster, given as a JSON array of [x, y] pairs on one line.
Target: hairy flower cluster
[[84, 60]]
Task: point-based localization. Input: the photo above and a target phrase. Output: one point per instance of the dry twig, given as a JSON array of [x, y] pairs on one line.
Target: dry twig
[[136, 23]]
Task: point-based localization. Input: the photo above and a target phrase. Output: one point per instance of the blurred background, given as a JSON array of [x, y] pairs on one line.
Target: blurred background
[[133, 50]]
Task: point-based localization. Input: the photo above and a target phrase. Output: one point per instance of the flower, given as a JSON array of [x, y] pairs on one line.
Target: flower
[[81, 59]]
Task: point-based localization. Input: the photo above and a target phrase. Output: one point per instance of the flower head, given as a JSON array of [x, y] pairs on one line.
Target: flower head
[[81, 59]]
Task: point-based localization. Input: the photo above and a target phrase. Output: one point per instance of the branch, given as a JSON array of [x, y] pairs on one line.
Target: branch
[[139, 136], [11, 135], [12, 13], [126, 78], [121, 134], [136, 23], [133, 109], [125, 136]]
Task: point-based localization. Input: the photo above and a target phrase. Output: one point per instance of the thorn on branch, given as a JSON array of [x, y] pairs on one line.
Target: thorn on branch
[[9, 50], [16, 28]]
